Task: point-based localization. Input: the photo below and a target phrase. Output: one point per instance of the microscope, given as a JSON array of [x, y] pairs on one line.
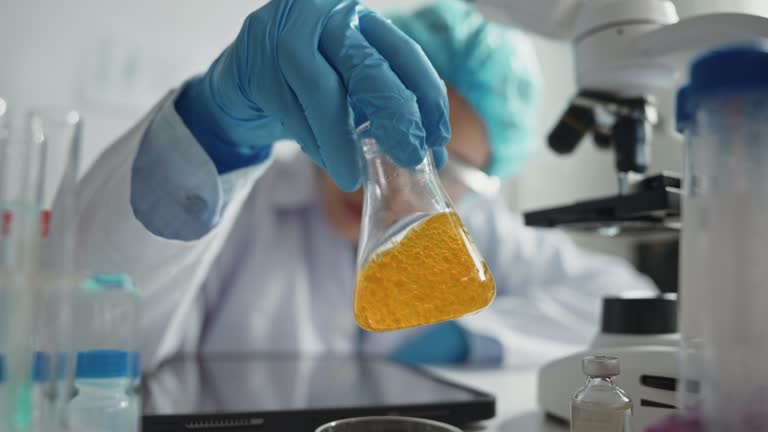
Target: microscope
[[625, 52], [643, 204]]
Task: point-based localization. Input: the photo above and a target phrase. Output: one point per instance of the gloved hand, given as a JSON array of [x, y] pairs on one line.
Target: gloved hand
[[299, 69], [443, 343]]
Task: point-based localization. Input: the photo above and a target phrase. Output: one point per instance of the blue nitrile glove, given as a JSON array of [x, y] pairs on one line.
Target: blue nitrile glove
[[444, 343], [298, 69]]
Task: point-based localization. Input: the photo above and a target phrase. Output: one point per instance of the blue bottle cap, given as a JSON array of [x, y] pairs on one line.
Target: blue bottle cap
[[41, 367], [735, 68], [98, 364], [732, 68]]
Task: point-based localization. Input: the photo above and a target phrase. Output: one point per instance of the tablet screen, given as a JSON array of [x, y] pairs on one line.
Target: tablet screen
[[232, 384]]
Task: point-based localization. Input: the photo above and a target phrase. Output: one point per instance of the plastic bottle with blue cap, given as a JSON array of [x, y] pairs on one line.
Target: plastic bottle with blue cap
[[105, 334], [723, 111], [103, 401]]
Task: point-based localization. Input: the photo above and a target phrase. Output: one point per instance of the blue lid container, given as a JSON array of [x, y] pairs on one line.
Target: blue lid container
[[103, 364], [732, 69]]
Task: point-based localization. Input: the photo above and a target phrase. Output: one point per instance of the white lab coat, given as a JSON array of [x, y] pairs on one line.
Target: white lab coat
[[273, 276]]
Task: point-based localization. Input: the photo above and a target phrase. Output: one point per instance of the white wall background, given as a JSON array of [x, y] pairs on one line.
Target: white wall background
[[111, 59]]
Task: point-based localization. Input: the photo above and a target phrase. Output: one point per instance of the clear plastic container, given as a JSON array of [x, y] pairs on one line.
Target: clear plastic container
[[417, 264], [601, 406], [724, 112], [103, 401]]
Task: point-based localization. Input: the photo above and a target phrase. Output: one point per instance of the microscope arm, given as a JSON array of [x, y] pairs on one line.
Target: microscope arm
[[699, 33], [550, 18], [626, 47]]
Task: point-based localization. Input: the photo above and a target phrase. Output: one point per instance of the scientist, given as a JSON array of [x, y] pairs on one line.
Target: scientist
[[235, 250]]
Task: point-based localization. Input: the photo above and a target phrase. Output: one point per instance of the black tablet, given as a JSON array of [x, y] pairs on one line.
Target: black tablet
[[280, 393]]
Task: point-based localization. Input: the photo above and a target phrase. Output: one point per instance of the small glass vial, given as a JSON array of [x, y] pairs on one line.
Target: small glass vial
[[600, 406]]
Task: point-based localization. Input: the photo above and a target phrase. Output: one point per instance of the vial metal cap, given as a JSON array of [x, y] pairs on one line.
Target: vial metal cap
[[600, 366]]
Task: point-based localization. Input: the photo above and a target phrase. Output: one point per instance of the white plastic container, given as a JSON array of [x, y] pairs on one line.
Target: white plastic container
[[724, 265], [103, 401]]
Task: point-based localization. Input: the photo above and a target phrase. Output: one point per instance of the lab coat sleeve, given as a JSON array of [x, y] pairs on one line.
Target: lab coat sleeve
[[176, 192], [549, 291], [169, 273]]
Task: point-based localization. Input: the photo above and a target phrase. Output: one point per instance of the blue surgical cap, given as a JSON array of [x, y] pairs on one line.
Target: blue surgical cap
[[491, 66]]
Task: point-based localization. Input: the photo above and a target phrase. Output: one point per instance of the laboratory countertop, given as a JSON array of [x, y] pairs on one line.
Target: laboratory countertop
[[516, 404]]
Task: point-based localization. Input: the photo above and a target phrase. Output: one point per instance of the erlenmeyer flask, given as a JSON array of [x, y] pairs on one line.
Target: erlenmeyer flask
[[416, 264]]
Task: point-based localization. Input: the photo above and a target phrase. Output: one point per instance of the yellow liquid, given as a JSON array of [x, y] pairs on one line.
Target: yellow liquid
[[433, 274]]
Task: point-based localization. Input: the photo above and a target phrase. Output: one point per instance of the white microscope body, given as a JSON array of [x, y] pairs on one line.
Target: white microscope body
[[628, 47]]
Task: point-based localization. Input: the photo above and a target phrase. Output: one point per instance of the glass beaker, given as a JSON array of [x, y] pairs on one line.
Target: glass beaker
[[387, 424], [416, 263]]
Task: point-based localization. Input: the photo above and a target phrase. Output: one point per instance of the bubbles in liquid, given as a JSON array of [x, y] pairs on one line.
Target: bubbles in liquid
[[433, 274]]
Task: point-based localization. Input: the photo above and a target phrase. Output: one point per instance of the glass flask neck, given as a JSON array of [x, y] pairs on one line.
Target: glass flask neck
[[600, 382], [370, 148], [377, 167]]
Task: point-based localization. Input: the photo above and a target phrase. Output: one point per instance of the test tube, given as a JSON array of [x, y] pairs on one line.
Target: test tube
[[38, 167]]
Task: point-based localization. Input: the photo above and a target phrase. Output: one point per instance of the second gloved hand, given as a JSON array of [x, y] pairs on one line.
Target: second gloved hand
[[443, 343], [299, 69]]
